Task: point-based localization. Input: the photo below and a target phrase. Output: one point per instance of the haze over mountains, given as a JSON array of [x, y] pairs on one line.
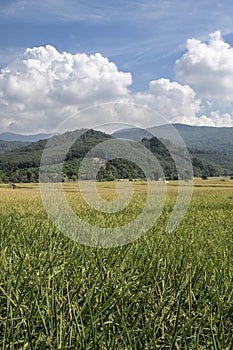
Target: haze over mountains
[[208, 143], [211, 151], [197, 137], [9, 136], [10, 141]]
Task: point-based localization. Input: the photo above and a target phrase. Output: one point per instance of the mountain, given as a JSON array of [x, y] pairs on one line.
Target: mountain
[[197, 137], [8, 136], [11, 145], [201, 137], [209, 144], [22, 165], [135, 134]]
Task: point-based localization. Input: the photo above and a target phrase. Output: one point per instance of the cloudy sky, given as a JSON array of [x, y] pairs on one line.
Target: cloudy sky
[[58, 57]]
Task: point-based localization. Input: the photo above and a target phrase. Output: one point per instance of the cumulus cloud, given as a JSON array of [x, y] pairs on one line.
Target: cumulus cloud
[[170, 99], [214, 119], [208, 68], [47, 86]]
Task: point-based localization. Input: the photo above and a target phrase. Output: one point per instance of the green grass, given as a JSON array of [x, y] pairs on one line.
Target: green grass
[[164, 291]]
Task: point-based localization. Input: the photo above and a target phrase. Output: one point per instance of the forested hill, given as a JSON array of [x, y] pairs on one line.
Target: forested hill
[[202, 137], [196, 137], [22, 165], [12, 145], [211, 144], [10, 141], [9, 136]]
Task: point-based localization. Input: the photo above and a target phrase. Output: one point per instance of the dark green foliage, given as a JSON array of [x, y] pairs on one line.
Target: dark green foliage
[[209, 144], [22, 164], [207, 138], [11, 137], [11, 145]]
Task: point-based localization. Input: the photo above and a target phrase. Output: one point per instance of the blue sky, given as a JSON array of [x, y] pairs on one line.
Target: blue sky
[[143, 37]]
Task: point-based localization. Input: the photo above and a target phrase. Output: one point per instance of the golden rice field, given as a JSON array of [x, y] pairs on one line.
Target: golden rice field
[[163, 291]]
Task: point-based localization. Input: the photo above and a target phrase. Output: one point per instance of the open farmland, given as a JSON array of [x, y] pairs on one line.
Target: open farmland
[[164, 291]]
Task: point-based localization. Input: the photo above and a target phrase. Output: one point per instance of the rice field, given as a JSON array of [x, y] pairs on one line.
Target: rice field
[[163, 291]]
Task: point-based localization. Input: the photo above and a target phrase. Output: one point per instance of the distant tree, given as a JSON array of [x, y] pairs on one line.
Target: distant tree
[[74, 178], [156, 176]]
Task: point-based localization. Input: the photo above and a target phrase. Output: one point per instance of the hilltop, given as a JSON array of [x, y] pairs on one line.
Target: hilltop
[[22, 164], [209, 144]]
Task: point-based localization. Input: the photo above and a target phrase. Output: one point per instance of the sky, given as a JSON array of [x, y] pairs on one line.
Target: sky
[[60, 57]]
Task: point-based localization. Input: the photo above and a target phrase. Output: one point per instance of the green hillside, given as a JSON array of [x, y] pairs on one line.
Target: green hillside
[[12, 145], [209, 144], [207, 137], [198, 137], [22, 165], [9, 136]]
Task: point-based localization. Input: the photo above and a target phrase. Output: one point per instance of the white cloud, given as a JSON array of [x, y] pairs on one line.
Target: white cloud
[[46, 86], [208, 68], [214, 119], [170, 99]]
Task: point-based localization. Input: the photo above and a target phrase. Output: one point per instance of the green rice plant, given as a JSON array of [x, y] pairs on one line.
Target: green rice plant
[[163, 291]]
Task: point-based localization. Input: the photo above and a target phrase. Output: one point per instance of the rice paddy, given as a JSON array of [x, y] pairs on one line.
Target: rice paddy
[[163, 291]]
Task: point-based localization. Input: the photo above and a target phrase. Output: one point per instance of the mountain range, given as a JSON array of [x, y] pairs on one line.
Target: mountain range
[[209, 144], [9, 136], [197, 137], [211, 151]]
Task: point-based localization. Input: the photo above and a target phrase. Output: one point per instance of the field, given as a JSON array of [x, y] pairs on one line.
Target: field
[[163, 291]]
